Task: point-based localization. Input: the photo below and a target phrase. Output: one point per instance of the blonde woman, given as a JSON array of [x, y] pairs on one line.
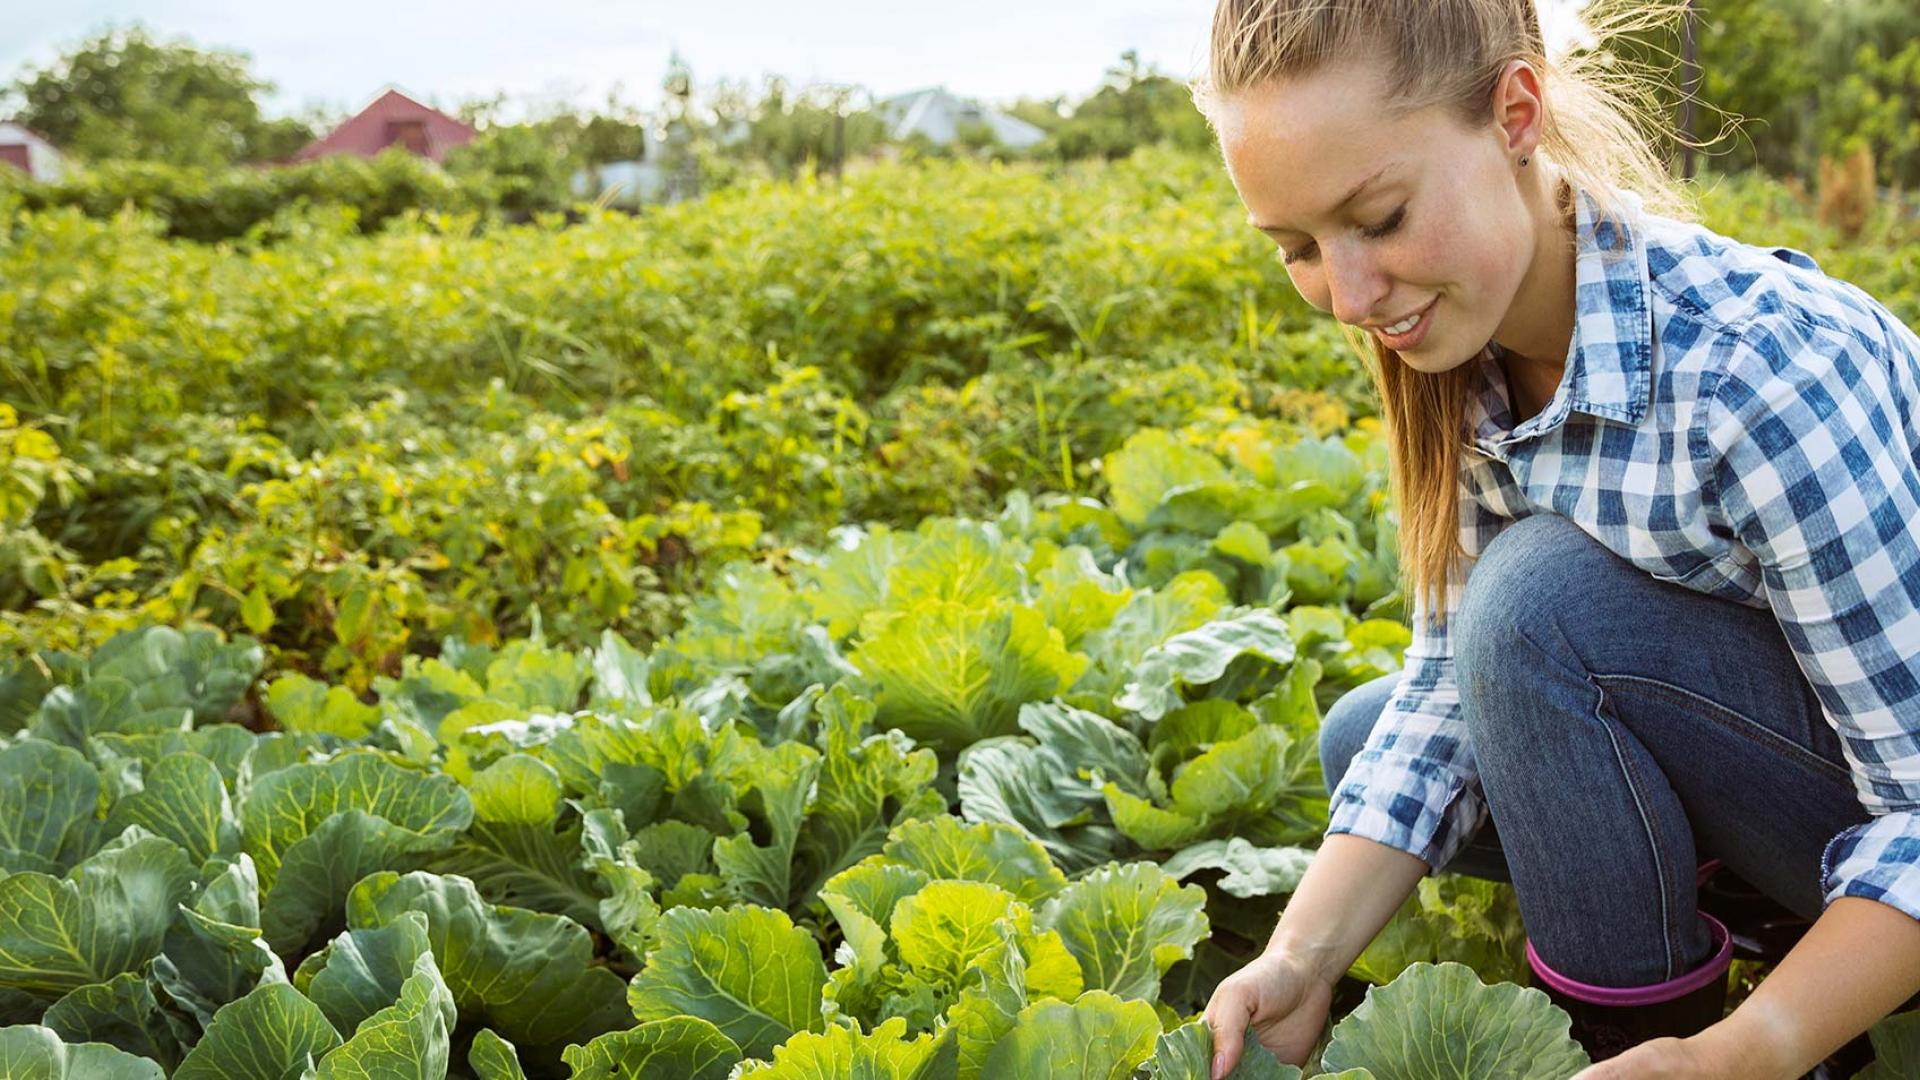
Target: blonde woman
[[1657, 492]]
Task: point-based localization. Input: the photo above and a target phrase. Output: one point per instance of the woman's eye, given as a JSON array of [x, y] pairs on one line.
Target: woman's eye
[[1385, 228]]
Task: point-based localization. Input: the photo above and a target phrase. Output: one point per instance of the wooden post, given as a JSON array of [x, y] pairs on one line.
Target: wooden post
[[1690, 67]]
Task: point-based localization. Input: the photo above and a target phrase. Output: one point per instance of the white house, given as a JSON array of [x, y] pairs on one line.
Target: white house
[[622, 183], [938, 115], [24, 148]]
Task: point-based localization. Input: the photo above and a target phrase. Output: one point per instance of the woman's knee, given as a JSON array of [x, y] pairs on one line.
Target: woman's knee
[[1526, 579], [1524, 565], [1348, 722]]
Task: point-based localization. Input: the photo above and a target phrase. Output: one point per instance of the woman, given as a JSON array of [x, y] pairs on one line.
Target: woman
[[1680, 474]]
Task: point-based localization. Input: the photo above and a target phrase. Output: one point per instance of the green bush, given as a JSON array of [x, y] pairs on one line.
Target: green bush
[[211, 205]]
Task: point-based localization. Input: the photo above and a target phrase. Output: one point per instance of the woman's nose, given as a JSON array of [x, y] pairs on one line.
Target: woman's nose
[[1355, 285]]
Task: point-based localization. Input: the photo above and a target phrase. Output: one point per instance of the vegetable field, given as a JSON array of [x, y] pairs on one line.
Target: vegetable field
[[876, 630]]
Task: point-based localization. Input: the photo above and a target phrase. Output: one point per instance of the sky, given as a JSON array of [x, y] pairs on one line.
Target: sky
[[338, 55]]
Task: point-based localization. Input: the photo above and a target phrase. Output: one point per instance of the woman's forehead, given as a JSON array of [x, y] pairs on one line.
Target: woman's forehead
[[1292, 178], [1334, 125]]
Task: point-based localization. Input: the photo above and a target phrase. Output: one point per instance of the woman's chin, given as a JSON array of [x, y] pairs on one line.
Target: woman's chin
[[1436, 357]]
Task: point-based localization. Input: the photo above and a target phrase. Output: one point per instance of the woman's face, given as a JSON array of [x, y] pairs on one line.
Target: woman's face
[[1444, 221]]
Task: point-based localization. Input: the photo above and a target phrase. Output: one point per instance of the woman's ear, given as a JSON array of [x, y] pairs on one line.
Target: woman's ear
[[1519, 109]]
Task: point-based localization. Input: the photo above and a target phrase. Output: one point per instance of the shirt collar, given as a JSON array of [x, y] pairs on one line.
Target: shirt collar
[[1609, 371]]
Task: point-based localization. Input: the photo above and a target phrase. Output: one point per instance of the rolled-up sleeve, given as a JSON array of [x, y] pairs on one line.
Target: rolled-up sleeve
[[1413, 785], [1812, 465]]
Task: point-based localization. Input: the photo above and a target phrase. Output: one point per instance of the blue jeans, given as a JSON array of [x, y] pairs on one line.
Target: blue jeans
[[1625, 729]]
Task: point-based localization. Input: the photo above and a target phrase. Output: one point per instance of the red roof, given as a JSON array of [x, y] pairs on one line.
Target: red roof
[[392, 119]]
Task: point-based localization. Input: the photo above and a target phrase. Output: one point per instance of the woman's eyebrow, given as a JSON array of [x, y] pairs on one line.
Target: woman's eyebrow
[[1351, 195]]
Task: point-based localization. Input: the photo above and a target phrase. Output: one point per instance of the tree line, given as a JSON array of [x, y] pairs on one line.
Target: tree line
[[1782, 85]]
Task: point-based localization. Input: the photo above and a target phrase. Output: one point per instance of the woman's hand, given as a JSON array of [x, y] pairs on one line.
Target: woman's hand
[[1281, 996]]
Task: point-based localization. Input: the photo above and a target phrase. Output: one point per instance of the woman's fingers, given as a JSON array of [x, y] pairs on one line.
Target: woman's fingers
[[1227, 1014]]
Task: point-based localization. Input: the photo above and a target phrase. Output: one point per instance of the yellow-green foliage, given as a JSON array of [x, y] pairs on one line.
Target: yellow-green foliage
[[351, 445]]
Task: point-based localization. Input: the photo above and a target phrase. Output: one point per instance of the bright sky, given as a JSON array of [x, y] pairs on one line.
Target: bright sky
[[339, 54]]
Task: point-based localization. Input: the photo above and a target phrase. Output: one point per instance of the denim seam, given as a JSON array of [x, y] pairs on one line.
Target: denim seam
[[1749, 729], [1639, 805], [1634, 782], [1634, 785]]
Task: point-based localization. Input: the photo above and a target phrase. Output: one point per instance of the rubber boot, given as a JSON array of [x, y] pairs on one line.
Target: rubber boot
[[1608, 1020], [1762, 928]]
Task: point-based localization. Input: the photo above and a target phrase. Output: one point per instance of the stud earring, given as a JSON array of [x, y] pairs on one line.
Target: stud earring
[[1523, 162]]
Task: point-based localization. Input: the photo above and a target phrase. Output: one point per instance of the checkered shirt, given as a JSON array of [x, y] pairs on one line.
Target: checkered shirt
[[1734, 420]]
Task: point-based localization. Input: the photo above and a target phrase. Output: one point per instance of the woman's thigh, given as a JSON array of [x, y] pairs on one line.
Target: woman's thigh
[[1707, 686]]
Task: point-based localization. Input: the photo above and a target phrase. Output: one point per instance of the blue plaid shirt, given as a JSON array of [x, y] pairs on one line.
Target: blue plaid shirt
[[1791, 399]]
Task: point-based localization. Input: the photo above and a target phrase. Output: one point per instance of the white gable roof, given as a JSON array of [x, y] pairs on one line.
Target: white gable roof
[[938, 115]]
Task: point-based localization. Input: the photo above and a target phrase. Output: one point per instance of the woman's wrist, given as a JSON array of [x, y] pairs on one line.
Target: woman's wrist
[[1350, 891], [1749, 1046], [1318, 958]]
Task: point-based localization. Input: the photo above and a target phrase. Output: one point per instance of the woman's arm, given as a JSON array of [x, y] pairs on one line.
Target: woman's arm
[[1349, 892], [1859, 961], [1807, 458]]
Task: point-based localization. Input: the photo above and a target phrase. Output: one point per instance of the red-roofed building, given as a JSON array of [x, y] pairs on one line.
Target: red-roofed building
[[393, 119]]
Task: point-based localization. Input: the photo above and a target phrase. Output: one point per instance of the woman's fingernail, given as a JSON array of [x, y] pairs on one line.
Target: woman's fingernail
[[1218, 1060]]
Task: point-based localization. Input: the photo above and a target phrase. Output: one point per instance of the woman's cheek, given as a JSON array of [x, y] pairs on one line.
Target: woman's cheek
[[1425, 259]]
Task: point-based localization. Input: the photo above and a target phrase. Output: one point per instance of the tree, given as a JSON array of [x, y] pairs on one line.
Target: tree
[[483, 112], [1136, 106], [1760, 79], [1877, 104], [527, 168], [817, 124], [1047, 114], [1133, 100], [1785, 81], [975, 138], [618, 134], [125, 95], [681, 153], [1753, 65]]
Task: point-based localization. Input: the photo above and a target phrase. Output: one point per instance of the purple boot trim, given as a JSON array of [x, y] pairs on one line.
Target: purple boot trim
[[1715, 967], [1705, 871]]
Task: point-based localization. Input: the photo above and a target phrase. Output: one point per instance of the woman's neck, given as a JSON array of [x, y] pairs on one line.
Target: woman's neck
[[1530, 385], [1539, 328]]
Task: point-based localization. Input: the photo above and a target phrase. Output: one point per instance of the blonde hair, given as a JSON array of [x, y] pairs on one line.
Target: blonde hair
[[1451, 53]]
